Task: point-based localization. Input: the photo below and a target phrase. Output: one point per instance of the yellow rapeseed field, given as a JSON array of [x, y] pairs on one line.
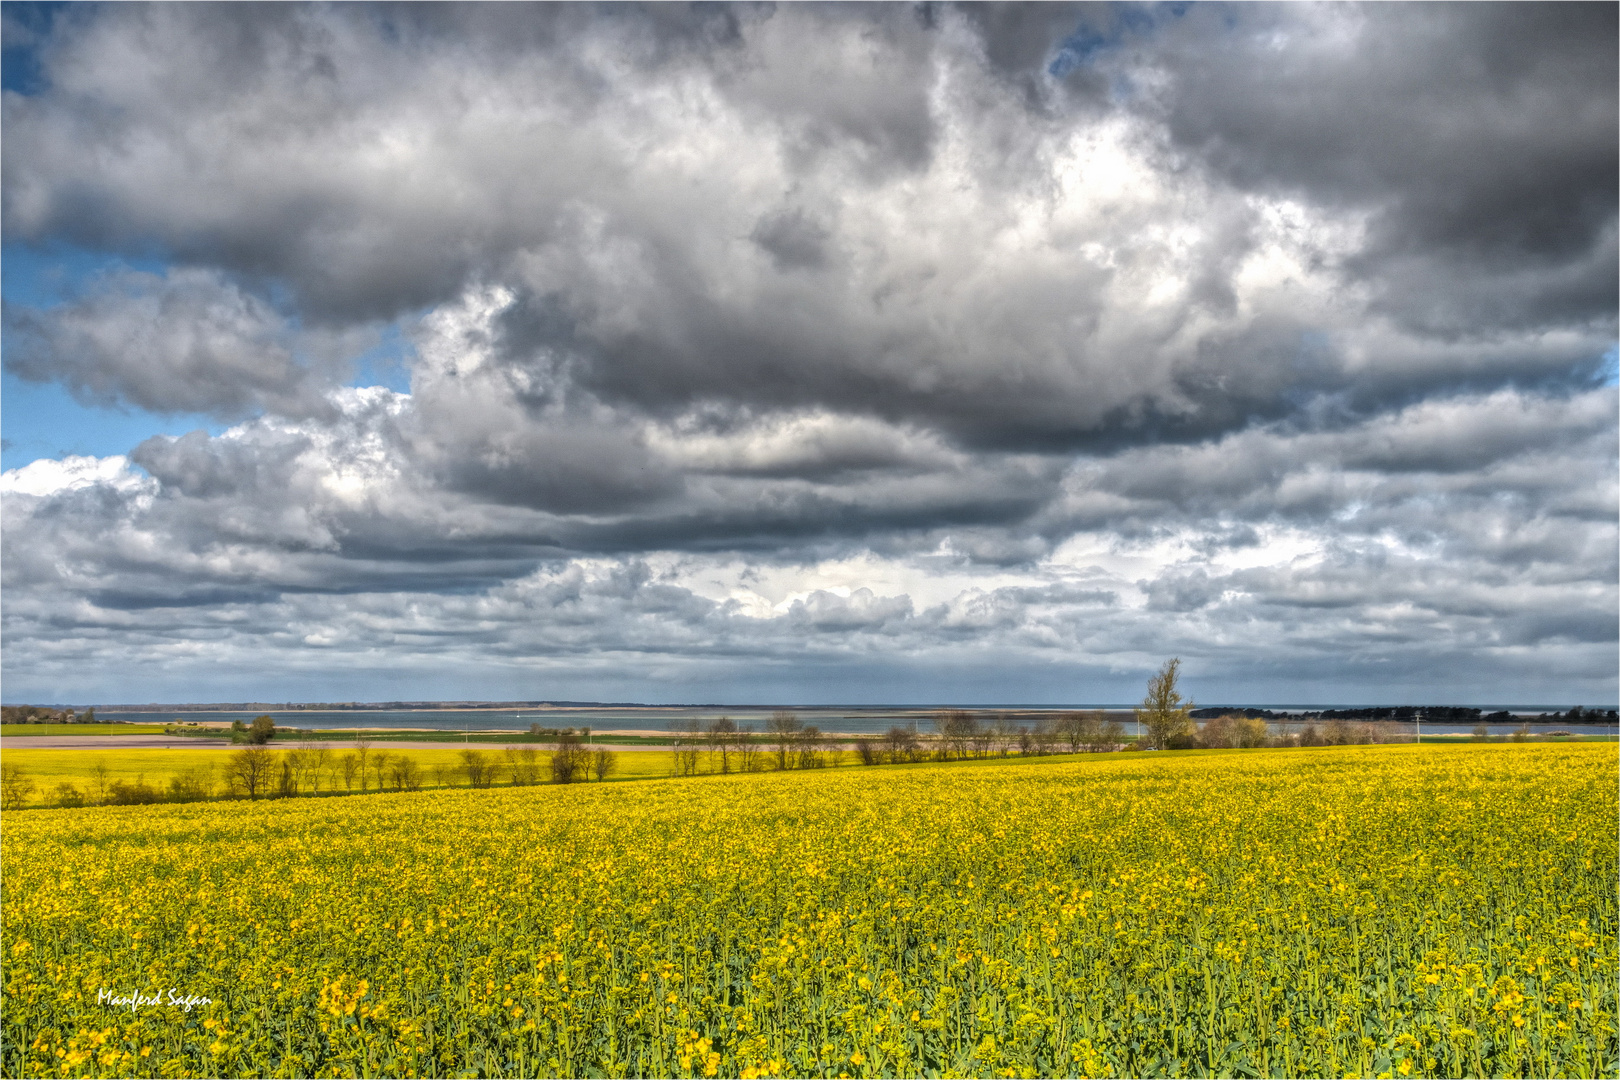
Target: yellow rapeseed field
[[45, 769], [1397, 911]]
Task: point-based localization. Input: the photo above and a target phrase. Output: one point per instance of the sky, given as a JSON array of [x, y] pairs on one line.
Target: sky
[[809, 354]]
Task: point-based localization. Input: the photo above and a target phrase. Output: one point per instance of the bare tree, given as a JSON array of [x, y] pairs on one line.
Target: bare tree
[[476, 767], [832, 752], [900, 744], [1074, 727], [351, 763], [1046, 735], [747, 749], [568, 759], [406, 773], [294, 763], [99, 779], [982, 738], [721, 735], [784, 728], [1164, 712], [528, 759], [686, 747], [249, 771], [15, 786], [956, 729], [497, 765], [362, 752], [380, 764], [286, 787], [317, 757], [867, 752], [1008, 734], [523, 765], [603, 764], [808, 742]]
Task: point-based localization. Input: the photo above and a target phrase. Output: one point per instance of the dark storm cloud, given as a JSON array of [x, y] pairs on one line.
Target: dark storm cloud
[[377, 161], [977, 338], [1481, 139]]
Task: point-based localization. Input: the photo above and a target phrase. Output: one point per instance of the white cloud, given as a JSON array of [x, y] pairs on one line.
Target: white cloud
[[846, 338], [48, 477]]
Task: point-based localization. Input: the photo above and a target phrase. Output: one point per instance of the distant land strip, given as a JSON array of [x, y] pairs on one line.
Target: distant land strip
[[1400, 713]]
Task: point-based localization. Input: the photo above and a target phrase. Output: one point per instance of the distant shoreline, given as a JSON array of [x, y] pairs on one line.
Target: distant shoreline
[[1527, 712]]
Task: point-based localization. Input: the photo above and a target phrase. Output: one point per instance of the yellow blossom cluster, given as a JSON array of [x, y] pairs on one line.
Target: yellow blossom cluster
[[1369, 911]]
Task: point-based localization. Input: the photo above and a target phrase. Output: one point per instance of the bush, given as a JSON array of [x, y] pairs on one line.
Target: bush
[[900, 744], [1218, 732], [406, 773], [192, 784], [1250, 732], [476, 765], [15, 787], [261, 731], [523, 765], [809, 743], [136, 792]]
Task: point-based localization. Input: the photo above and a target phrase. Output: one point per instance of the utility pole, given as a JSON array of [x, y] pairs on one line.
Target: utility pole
[[1420, 727]]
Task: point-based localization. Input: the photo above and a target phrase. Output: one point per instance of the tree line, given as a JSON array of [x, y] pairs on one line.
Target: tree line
[[1165, 717], [312, 768], [40, 714]]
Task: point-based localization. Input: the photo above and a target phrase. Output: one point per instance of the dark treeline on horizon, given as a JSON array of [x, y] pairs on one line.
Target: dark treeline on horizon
[[1436, 713]]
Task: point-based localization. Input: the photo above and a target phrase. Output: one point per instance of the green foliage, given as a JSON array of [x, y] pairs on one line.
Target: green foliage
[[41, 714], [1164, 713]]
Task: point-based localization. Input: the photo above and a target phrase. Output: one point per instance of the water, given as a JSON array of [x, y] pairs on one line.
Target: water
[[854, 721], [860, 722]]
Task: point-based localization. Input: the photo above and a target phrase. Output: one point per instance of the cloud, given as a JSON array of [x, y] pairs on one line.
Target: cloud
[[187, 341], [977, 339], [878, 224], [1408, 535], [1480, 141]]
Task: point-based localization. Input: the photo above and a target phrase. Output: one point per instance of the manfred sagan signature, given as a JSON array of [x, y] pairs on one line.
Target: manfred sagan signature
[[157, 999]]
